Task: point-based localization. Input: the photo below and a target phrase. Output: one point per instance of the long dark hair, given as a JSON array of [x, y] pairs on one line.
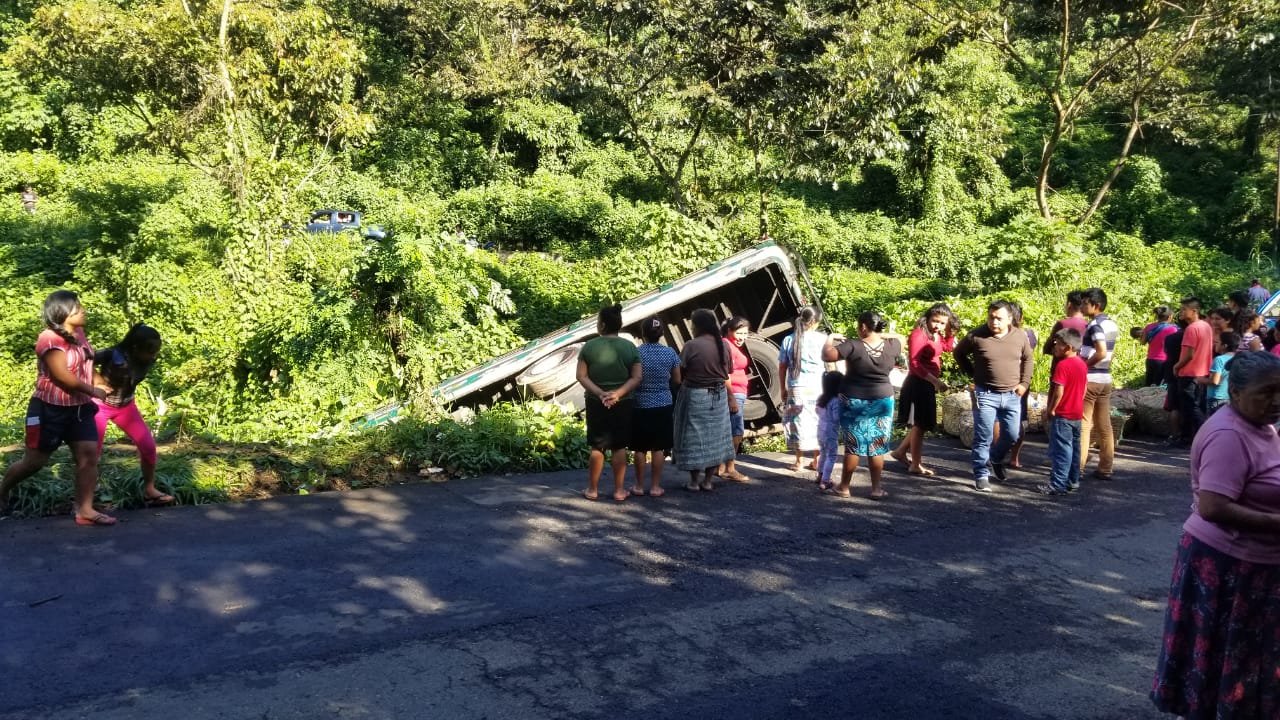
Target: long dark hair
[[1015, 314], [651, 329], [733, 323], [953, 322], [704, 323], [1244, 319], [59, 306], [141, 338], [806, 317], [831, 382]]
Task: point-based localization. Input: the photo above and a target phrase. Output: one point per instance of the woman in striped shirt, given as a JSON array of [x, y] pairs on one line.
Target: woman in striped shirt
[[61, 408]]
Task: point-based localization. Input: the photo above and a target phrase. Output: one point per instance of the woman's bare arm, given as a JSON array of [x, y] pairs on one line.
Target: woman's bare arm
[[1222, 510], [56, 361]]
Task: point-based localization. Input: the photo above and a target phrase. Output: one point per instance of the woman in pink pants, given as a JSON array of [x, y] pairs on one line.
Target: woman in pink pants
[[118, 370]]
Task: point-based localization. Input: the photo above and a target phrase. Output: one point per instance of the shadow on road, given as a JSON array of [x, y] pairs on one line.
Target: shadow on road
[[765, 599]]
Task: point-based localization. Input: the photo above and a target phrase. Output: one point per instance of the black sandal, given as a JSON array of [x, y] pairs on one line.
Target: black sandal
[[161, 500]]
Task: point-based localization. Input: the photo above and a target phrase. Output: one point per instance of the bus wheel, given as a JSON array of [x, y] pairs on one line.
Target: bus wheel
[[552, 372], [765, 391]]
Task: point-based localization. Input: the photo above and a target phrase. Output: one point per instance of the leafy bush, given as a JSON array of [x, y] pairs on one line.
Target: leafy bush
[[1031, 252], [40, 169], [1246, 230], [548, 212], [548, 293], [931, 249], [846, 293], [533, 436], [815, 233], [620, 173], [670, 245], [1144, 206]]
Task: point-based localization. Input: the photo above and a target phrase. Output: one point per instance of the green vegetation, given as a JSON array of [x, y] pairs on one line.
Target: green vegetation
[[909, 151]]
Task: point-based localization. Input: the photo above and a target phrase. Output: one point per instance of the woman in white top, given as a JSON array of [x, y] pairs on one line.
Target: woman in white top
[[801, 364]]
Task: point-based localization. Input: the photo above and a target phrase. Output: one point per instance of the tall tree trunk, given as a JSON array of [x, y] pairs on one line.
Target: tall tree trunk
[[1275, 227], [1135, 124], [1252, 134], [674, 179], [1046, 158]]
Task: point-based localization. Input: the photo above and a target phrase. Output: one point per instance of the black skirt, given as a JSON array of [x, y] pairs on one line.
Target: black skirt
[[918, 404], [651, 428], [609, 428]]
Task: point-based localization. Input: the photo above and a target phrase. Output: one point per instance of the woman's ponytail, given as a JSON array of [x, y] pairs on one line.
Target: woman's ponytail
[[873, 321]]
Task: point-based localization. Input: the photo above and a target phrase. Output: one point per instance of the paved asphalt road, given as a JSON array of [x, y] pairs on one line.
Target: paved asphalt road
[[512, 597]]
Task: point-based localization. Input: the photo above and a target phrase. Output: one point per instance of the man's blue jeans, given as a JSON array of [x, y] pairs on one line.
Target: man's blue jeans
[[990, 407], [1064, 453]]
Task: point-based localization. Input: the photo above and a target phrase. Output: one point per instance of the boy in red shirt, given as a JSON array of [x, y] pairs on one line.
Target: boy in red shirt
[[1066, 410]]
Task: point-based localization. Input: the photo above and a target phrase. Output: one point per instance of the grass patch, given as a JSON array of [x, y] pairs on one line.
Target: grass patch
[[531, 437], [776, 442], [198, 473]]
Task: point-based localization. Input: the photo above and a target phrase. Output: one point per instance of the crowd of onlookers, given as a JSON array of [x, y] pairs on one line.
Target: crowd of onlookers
[[1220, 656], [657, 403], [631, 405], [1189, 353], [653, 401]]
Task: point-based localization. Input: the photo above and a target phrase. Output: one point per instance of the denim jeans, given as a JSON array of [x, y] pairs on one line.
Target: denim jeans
[[737, 425], [1064, 453], [990, 407]]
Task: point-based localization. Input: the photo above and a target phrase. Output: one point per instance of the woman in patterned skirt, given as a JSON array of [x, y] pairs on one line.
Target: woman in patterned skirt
[[1220, 658], [866, 420], [702, 438], [800, 363]]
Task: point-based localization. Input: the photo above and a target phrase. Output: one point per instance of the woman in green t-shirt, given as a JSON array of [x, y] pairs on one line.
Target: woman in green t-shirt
[[608, 370]]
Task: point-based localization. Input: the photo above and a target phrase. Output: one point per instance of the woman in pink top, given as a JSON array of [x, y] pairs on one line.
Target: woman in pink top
[[1221, 650], [61, 408], [934, 335], [735, 331], [1153, 336]]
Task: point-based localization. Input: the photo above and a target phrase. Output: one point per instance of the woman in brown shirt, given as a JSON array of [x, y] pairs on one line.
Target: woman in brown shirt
[[703, 438]]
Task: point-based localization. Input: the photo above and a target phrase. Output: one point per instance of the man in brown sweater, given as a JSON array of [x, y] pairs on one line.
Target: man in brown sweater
[[1000, 361]]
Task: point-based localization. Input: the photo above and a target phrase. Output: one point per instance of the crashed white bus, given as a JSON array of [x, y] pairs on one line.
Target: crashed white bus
[[762, 284]]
